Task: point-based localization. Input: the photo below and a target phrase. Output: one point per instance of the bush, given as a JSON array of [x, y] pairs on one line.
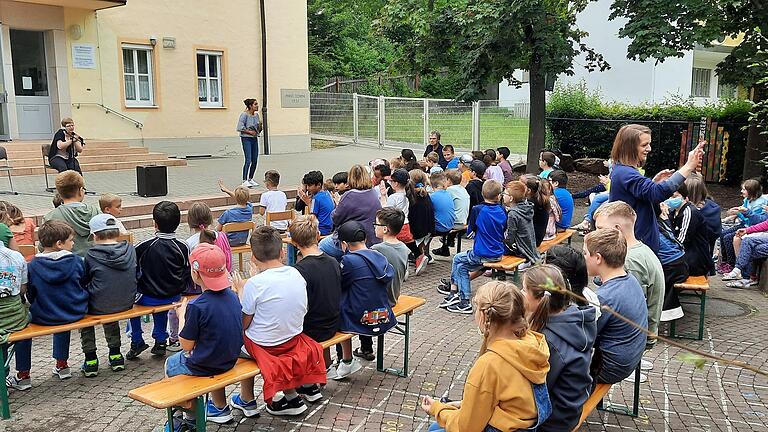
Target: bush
[[580, 123]]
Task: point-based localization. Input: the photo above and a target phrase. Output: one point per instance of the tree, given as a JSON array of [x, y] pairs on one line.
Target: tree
[[663, 29], [486, 41]]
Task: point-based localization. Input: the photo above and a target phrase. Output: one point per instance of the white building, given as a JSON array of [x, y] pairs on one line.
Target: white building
[[634, 82]]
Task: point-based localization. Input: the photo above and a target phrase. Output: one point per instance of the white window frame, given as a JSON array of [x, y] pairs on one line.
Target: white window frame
[[701, 81], [208, 55], [134, 48]]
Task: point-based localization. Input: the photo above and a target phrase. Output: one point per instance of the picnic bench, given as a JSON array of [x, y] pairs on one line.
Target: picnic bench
[[181, 391], [595, 399], [511, 263], [695, 287], [598, 394], [36, 330]]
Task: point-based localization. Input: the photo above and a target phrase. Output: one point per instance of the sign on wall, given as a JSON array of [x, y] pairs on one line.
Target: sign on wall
[[83, 56], [294, 98]]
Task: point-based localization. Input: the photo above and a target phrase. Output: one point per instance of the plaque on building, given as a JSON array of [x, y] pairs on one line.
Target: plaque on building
[[294, 98]]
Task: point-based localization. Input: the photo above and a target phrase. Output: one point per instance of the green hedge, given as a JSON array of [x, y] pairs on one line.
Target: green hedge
[[580, 123]]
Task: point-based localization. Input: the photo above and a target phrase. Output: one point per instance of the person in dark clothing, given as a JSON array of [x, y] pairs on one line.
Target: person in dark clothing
[[690, 230], [541, 206], [475, 185], [521, 237], [421, 217], [435, 146], [65, 147]]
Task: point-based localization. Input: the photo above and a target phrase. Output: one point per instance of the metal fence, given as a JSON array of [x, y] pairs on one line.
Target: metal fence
[[407, 122]]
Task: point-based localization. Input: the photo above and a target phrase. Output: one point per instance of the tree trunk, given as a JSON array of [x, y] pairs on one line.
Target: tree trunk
[[757, 143], [538, 113]]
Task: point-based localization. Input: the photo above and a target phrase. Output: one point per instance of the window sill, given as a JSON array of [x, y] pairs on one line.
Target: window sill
[[211, 107], [142, 107]]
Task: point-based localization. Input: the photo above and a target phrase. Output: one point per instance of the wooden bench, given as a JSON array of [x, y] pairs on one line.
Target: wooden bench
[[695, 287], [173, 393], [511, 263], [37, 330], [595, 398]]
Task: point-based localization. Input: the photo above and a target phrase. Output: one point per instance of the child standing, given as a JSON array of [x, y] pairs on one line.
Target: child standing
[[55, 295], [73, 211], [13, 313], [488, 221], [110, 280], [318, 200], [619, 346], [559, 180], [506, 387], [112, 204], [274, 304], [241, 212], [520, 239], [163, 269]]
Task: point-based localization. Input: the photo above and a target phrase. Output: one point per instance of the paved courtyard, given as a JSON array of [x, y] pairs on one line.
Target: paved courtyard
[[443, 346]]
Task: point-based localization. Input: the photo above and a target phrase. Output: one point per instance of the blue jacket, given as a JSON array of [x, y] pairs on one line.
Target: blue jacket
[[489, 223], [643, 195], [570, 336], [565, 199], [365, 278], [54, 289], [442, 203]]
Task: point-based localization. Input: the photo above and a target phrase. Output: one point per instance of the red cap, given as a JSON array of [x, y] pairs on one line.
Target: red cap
[[211, 264]]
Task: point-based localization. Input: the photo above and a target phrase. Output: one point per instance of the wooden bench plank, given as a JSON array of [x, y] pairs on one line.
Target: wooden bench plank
[[696, 283], [592, 402], [510, 263]]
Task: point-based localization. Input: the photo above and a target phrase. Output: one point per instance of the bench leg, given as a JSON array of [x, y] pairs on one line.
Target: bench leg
[[702, 309], [200, 413], [4, 402], [292, 252], [240, 261], [458, 242], [405, 330], [623, 409], [672, 329]]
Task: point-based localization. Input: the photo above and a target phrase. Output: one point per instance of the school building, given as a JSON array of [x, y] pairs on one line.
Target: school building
[[168, 75]]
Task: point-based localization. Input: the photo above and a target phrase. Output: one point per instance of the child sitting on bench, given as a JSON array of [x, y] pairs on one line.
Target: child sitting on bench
[[13, 313], [520, 239]]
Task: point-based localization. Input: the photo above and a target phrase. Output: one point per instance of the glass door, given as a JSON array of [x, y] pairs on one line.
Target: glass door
[[5, 134], [30, 79]]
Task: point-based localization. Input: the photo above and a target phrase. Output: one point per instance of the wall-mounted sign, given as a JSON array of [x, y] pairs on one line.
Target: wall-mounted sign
[[169, 43], [26, 83], [83, 56], [294, 98]]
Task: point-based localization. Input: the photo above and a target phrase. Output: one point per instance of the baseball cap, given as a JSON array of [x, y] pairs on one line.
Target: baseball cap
[[211, 264], [466, 159], [401, 176], [351, 231], [478, 167], [102, 222]]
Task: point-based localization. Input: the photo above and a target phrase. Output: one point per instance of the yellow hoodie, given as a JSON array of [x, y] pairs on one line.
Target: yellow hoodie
[[498, 391]]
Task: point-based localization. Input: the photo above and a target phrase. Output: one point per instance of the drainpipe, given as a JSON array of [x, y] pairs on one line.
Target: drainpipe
[[264, 77]]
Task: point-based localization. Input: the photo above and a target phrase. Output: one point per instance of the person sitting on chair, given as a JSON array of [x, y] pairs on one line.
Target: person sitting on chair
[[65, 147]]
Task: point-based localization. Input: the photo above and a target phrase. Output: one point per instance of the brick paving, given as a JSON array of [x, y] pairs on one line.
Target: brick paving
[[442, 349]]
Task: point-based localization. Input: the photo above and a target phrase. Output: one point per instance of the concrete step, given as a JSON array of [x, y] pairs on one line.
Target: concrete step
[[101, 166], [87, 158], [28, 145], [100, 151]]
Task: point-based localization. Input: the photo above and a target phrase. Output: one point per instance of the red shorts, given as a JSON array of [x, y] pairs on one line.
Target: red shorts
[[405, 235]]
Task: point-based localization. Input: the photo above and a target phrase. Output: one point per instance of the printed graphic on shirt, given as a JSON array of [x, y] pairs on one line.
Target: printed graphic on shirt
[[9, 282]]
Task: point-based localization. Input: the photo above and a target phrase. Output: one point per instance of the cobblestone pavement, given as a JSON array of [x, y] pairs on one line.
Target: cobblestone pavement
[[443, 346]]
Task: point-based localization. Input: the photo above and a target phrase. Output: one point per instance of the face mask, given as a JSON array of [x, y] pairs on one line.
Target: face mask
[[674, 203]]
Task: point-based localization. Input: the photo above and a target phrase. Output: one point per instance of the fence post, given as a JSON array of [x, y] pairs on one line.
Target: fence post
[[475, 125], [425, 118], [355, 119], [382, 121]]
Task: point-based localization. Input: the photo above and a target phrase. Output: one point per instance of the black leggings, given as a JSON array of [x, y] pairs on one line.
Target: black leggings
[[61, 165]]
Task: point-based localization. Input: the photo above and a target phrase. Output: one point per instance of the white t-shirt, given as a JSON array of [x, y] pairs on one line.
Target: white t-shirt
[[494, 172], [399, 201], [277, 299], [13, 271], [275, 201]]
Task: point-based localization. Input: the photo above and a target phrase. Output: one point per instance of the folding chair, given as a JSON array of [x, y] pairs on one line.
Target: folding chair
[[287, 215], [239, 227], [46, 148], [7, 168]]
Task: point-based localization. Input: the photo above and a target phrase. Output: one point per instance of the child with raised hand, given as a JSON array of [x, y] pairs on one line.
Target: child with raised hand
[[319, 201], [520, 239], [13, 313], [570, 332], [55, 295], [241, 212], [112, 204], [506, 387], [618, 346]]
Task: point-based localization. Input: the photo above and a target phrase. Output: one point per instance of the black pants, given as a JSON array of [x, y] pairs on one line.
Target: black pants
[[674, 272], [366, 345], [61, 165]]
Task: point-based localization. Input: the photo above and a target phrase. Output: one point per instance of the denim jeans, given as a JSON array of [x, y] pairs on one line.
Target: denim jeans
[[177, 365], [595, 204], [160, 320], [330, 247], [753, 246], [251, 151], [464, 263], [727, 253], [24, 351]]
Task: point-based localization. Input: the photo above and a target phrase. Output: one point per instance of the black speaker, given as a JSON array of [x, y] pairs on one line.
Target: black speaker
[[152, 180]]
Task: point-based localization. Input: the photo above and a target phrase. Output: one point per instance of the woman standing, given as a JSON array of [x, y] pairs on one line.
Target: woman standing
[[249, 126]]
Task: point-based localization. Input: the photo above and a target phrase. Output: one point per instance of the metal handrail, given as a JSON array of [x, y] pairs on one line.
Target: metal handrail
[[109, 110]]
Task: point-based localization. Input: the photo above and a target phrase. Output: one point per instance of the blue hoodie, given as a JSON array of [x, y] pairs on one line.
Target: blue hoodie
[[365, 277], [489, 223], [54, 289], [570, 336]]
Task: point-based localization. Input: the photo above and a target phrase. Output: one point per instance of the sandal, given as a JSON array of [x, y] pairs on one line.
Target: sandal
[[365, 355], [742, 283]]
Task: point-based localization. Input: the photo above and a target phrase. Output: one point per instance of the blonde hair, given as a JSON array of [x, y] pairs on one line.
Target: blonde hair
[[491, 190], [107, 200], [610, 244], [433, 157], [68, 184], [242, 195], [624, 149], [304, 230], [66, 120], [395, 163], [358, 178], [617, 209], [501, 303]]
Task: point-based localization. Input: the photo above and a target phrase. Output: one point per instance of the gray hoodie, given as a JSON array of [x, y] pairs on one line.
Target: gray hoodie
[[521, 237], [76, 215], [110, 278]]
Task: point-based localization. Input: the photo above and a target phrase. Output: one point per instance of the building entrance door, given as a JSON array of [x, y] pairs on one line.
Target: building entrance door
[[30, 79]]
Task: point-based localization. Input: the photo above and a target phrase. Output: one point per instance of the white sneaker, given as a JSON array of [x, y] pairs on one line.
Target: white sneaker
[[631, 378], [346, 369], [331, 374], [253, 183], [734, 274], [63, 373], [645, 365], [246, 184]]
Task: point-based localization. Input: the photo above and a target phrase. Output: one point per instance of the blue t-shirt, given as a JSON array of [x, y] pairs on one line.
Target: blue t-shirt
[[322, 208], [237, 214], [214, 322], [453, 163], [565, 199], [442, 202]]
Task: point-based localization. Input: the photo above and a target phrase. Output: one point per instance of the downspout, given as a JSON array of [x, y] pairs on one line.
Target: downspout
[[264, 77]]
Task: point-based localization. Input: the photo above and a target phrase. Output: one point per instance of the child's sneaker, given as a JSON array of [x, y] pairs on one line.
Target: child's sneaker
[[346, 369], [180, 424], [285, 407], [311, 393], [450, 300], [734, 274], [62, 372], [249, 409], [462, 307], [117, 362], [135, 350], [159, 349], [174, 346], [442, 251], [216, 414], [365, 355], [90, 368], [18, 383], [444, 287], [421, 264], [724, 268]]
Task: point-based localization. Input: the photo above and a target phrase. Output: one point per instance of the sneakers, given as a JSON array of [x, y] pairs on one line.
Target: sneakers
[[285, 407], [421, 264], [741, 283], [135, 350], [442, 251], [252, 183], [346, 369], [462, 307], [311, 393], [249, 409], [174, 347], [330, 374], [117, 362], [631, 378], [365, 355], [645, 365], [159, 349], [430, 259], [734, 274], [19, 384], [444, 287], [90, 368], [585, 225], [216, 414], [450, 300], [63, 373], [246, 184]]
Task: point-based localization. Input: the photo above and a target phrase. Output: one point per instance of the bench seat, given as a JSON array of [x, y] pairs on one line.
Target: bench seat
[[695, 287], [510, 263], [597, 395]]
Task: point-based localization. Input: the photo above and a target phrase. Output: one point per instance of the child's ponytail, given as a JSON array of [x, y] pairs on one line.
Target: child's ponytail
[[501, 303], [537, 282], [199, 217]]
